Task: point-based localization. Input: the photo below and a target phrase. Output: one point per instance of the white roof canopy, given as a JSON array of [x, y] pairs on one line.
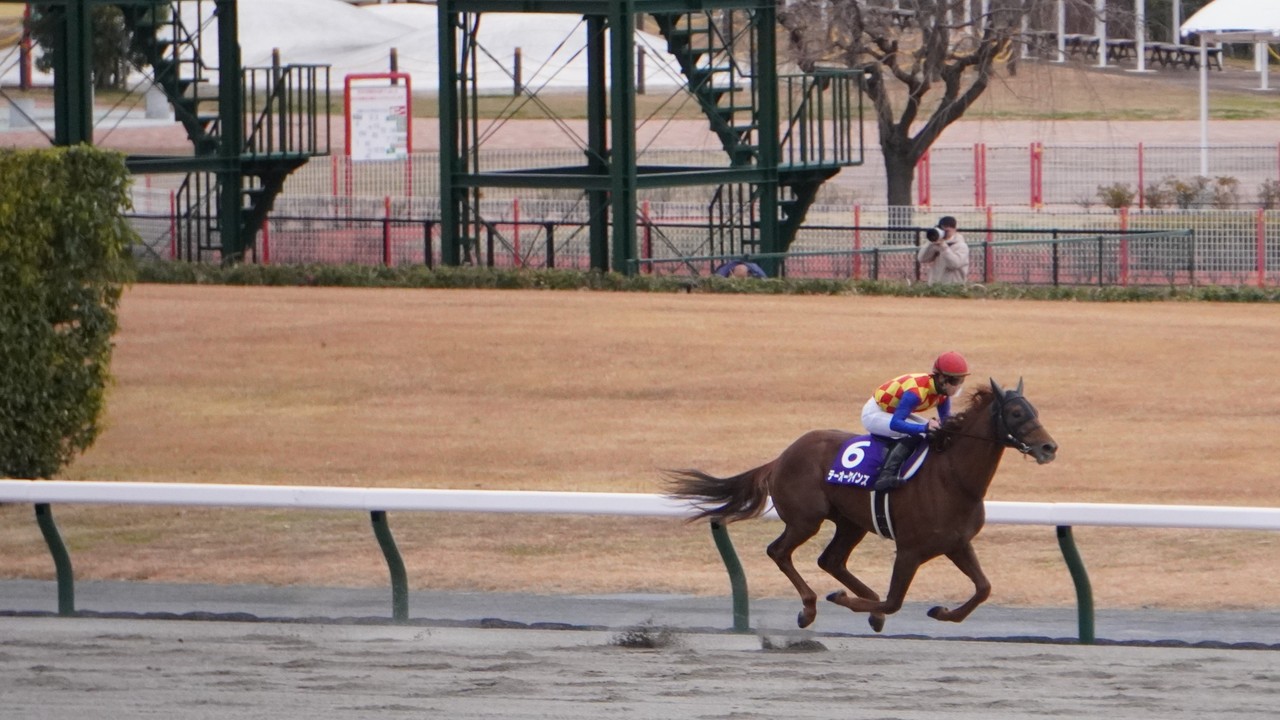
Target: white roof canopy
[[1236, 21], [1250, 21]]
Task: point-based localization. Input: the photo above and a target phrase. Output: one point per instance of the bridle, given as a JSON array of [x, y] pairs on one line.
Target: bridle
[[1013, 437], [1008, 437]]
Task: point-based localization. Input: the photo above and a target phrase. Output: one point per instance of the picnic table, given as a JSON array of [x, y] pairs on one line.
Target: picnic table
[[1177, 55]]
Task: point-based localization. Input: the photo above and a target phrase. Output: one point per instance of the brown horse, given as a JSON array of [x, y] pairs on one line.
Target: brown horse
[[937, 513]]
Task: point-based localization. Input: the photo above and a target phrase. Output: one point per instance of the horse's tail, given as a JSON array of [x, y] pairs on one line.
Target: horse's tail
[[741, 497]]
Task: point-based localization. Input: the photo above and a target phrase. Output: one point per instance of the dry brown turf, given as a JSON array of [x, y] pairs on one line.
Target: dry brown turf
[[1151, 403]]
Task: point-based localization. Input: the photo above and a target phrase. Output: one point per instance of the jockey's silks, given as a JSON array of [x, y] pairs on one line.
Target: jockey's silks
[[890, 394]]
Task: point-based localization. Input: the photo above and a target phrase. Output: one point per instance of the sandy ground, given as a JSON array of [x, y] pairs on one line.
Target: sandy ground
[[72, 668]]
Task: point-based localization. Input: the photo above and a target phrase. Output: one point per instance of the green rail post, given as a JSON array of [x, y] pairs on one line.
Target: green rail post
[[61, 560], [1084, 591], [395, 564], [737, 579]]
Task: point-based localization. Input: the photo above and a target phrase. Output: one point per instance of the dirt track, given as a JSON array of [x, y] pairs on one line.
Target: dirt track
[[120, 669]]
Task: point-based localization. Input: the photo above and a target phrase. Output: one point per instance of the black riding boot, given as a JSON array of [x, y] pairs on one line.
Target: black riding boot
[[888, 478]]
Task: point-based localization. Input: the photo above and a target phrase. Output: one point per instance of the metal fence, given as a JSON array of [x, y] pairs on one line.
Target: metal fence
[[1165, 247], [955, 177], [1037, 176]]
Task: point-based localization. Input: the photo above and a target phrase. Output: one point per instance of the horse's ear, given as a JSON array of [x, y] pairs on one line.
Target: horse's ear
[[1019, 385], [995, 387]]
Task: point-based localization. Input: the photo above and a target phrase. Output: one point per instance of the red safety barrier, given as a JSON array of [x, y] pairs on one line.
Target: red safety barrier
[[922, 181], [1261, 232], [980, 175], [1037, 175], [1124, 247], [988, 257]]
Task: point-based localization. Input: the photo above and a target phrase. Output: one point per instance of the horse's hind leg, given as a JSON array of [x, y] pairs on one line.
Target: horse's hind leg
[[835, 560], [967, 560], [780, 550], [904, 571]]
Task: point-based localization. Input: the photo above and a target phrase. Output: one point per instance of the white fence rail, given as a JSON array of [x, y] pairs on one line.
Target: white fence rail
[[379, 501]]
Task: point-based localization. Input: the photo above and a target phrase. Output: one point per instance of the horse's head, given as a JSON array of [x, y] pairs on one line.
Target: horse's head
[[1018, 425]]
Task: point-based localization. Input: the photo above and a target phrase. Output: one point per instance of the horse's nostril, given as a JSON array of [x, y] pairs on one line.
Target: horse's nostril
[[1050, 447]]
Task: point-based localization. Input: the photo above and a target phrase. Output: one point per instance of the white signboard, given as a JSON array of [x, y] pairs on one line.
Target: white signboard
[[379, 117]]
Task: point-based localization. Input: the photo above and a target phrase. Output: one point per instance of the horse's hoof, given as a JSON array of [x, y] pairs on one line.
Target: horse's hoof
[[937, 612], [837, 596], [805, 617], [876, 622]]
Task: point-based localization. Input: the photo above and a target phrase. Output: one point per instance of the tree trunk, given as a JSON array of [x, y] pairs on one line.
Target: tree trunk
[[899, 173]]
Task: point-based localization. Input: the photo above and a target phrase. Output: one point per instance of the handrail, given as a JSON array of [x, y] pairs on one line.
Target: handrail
[[379, 501]]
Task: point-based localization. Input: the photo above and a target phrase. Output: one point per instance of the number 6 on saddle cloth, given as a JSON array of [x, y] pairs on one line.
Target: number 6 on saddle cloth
[[860, 457]]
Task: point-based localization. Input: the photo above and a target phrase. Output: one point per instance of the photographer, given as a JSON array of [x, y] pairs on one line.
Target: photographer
[[945, 255]]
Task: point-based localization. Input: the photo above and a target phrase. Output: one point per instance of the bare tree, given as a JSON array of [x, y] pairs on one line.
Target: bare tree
[[909, 50]]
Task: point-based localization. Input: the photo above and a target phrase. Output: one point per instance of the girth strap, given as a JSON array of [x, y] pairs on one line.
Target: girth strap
[[881, 521]]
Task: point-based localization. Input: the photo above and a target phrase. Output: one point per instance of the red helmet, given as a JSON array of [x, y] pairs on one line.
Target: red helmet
[[951, 363]]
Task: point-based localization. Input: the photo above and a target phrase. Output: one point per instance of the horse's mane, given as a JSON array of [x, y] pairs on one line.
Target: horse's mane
[[979, 404]]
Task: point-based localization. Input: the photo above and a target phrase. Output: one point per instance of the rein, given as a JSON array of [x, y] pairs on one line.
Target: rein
[[1004, 436]]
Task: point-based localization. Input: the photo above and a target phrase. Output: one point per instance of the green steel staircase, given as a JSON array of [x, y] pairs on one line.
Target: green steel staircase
[[248, 132], [704, 50], [716, 52]]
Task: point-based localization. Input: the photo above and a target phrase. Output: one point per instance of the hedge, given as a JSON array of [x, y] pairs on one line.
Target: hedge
[[63, 263]]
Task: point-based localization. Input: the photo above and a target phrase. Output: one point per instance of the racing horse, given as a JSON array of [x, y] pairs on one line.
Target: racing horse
[[938, 512]]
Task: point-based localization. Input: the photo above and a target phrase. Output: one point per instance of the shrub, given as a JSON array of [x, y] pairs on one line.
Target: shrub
[[1226, 192], [63, 262], [1117, 195], [1158, 196], [559, 279], [1269, 194], [1187, 194]]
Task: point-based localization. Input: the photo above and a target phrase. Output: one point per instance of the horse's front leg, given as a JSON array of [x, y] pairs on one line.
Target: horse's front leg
[[904, 571], [967, 560]]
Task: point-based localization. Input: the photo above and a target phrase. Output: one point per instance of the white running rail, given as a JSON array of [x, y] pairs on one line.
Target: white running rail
[[379, 501]]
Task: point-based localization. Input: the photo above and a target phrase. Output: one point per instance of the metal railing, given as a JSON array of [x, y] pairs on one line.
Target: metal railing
[[379, 501]]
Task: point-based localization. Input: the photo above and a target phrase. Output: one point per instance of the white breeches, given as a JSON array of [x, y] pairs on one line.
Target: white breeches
[[876, 421]]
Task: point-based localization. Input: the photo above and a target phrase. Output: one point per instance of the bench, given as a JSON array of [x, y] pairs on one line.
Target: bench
[[1077, 44], [1121, 49]]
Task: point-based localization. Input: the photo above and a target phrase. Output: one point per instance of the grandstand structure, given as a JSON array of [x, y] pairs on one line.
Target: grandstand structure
[[249, 128], [782, 136]]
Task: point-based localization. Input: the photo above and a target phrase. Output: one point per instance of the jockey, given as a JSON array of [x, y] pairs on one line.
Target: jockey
[[889, 412]]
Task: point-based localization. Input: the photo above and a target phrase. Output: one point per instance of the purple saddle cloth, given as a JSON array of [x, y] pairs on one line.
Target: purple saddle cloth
[[860, 457]]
